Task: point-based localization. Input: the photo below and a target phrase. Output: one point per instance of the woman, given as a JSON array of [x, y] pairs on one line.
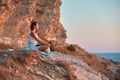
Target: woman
[[35, 42]]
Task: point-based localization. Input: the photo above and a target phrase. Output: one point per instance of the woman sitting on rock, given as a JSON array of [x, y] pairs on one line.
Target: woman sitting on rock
[[36, 42]]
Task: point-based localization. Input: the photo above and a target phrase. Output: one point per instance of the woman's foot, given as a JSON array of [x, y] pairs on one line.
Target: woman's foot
[[48, 54]]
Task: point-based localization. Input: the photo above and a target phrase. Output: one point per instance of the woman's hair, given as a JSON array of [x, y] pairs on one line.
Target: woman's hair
[[33, 24]]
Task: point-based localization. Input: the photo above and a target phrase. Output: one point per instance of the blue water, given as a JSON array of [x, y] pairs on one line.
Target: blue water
[[113, 56]]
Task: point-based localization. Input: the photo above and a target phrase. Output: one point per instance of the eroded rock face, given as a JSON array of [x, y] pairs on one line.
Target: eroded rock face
[[16, 15]]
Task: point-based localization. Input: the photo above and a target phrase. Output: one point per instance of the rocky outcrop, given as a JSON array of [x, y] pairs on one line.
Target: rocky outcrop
[[79, 64], [16, 15], [109, 68], [31, 65]]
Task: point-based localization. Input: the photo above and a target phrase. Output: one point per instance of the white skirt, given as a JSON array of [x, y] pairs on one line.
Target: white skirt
[[33, 47]]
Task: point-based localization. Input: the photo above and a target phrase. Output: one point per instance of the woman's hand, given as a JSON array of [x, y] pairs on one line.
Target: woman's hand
[[49, 44]]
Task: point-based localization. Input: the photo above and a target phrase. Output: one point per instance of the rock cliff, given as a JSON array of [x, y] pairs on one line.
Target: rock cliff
[[16, 15]]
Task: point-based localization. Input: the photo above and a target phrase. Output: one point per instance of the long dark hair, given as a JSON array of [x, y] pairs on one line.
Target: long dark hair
[[33, 24]]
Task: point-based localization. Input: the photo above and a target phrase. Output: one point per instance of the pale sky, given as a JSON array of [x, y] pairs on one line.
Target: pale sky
[[92, 24]]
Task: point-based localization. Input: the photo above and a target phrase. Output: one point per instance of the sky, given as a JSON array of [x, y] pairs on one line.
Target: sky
[[92, 24]]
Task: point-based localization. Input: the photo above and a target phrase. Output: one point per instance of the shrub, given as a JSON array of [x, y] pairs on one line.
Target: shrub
[[71, 47]]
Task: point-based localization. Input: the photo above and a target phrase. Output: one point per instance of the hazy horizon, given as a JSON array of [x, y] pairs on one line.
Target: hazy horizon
[[92, 24]]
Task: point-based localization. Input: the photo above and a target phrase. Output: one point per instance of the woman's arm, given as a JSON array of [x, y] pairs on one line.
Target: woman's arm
[[44, 39], [38, 39]]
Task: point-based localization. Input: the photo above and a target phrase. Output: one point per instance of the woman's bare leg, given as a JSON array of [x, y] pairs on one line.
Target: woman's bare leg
[[44, 48], [47, 50]]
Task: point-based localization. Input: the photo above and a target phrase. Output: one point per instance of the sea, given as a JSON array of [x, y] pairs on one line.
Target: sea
[[110, 56]]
